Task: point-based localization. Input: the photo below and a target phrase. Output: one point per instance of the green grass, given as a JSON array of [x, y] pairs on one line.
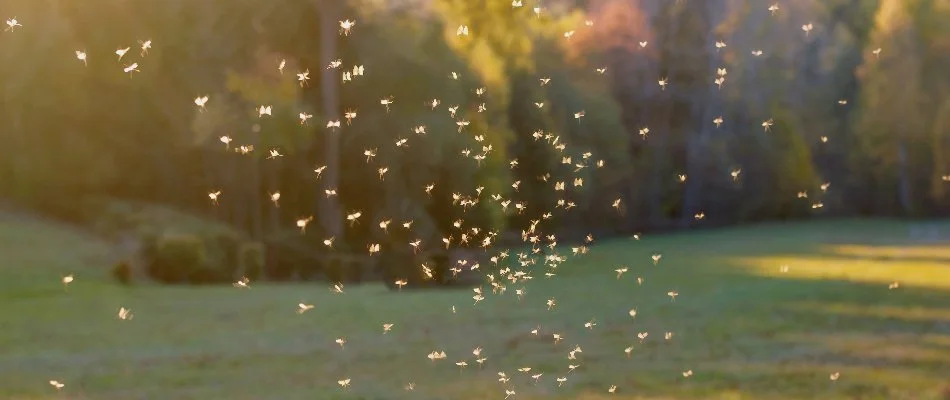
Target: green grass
[[745, 329]]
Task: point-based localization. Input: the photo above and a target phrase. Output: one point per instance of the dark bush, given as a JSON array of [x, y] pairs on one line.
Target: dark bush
[[355, 266], [279, 261], [404, 265], [210, 250], [348, 268], [122, 272], [279, 264], [441, 263], [343, 268], [225, 250], [289, 257], [178, 258], [463, 259], [207, 275], [335, 268], [368, 269], [309, 269], [279, 267], [251, 256]]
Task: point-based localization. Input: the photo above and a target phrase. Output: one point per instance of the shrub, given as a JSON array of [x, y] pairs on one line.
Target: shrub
[[334, 269], [178, 258], [279, 262], [345, 268], [201, 251], [404, 265], [122, 272], [370, 268], [463, 259], [225, 251], [206, 275], [309, 268], [279, 267], [441, 263], [357, 266], [288, 256], [251, 259]]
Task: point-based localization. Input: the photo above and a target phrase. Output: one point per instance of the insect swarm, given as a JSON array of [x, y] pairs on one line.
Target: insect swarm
[[526, 230]]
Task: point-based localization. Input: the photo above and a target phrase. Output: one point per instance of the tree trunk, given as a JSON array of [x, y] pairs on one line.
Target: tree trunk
[[331, 217], [937, 146], [254, 193], [658, 168], [903, 179], [234, 215], [696, 142], [273, 182]]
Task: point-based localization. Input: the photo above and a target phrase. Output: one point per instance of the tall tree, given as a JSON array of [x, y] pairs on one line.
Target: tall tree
[[330, 212], [891, 97]]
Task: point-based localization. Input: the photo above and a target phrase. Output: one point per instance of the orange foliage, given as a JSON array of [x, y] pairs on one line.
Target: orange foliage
[[617, 25]]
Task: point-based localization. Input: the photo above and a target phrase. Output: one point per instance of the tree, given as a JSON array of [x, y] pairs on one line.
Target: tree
[[891, 97], [331, 215]]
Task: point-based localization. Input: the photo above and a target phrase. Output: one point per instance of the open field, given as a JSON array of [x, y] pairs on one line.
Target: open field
[[744, 327]]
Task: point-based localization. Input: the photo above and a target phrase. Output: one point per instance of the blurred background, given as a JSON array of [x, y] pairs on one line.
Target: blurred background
[[486, 144], [800, 110]]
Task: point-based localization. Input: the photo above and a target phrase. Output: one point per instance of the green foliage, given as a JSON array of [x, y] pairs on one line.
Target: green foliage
[[795, 168], [287, 256], [347, 268], [283, 263], [899, 118], [143, 220], [122, 272], [72, 131], [180, 258], [225, 252], [252, 259], [265, 86], [791, 171], [175, 246]]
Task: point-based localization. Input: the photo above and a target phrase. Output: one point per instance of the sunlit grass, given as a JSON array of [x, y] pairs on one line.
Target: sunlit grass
[[894, 252], [747, 330], [906, 313], [880, 266]]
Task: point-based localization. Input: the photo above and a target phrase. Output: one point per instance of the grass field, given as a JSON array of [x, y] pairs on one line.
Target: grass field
[[745, 328]]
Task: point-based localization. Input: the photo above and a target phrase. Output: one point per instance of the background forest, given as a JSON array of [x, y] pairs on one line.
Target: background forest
[[697, 113]]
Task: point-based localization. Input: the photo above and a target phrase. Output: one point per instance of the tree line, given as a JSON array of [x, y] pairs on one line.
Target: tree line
[[697, 113]]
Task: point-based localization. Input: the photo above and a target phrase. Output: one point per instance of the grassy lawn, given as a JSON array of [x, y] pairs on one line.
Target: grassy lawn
[[747, 327]]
